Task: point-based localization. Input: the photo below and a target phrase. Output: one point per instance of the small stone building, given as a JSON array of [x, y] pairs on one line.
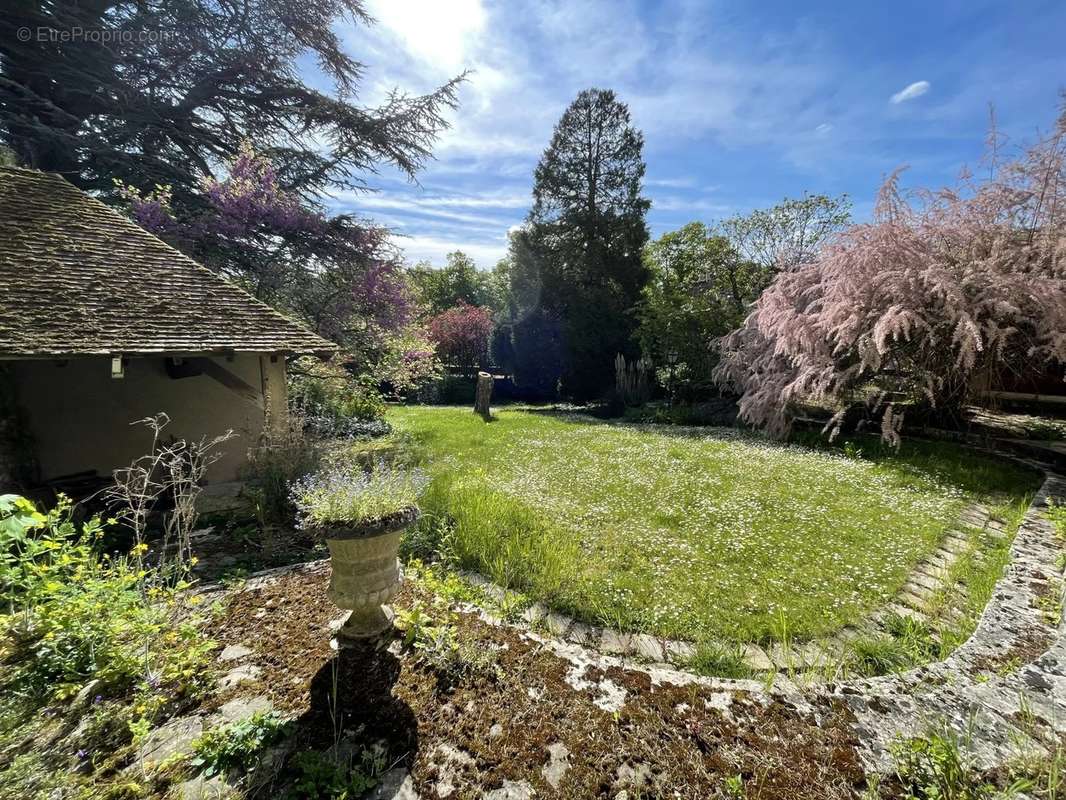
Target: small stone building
[[102, 324]]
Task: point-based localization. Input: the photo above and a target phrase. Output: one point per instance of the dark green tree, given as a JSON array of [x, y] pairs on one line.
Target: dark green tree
[[585, 233], [168, 92]]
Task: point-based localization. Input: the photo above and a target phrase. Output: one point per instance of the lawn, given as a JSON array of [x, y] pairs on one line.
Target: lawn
[[691, 533]]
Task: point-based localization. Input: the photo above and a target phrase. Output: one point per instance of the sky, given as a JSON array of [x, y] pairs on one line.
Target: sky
[[741, 104]]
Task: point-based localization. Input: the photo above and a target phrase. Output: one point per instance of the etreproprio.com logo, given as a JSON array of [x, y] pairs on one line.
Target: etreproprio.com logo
[[78, 34]]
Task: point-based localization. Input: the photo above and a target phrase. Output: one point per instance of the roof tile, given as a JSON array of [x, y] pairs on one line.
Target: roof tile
[[79, 278]]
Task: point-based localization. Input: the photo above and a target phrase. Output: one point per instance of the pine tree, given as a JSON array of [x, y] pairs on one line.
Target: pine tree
[[586, 230]]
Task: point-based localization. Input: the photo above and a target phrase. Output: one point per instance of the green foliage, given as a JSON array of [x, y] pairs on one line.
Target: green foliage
[[718, 660], [934, 767], [76, 615], [319, 777], [458, 282], [439, 646], [699, 289], [915, 637], [331, 400], [237, 746], [790, 233], [346, 494], [274, 466], [734, 787], [878, 655], [1057, 514]]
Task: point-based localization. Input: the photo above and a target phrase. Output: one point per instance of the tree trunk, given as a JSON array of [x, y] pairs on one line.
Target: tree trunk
[[483, 396]]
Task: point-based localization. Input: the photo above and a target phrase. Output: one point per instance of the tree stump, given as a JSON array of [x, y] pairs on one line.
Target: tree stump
[[483, 396]]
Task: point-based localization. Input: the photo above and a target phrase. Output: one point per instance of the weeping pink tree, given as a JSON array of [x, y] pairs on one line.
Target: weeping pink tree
[[939, 290]]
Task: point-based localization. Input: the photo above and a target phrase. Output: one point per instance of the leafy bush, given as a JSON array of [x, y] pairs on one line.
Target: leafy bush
[[462, 335], [449, 390], [917, 304], [76, 615], [237, 746], [347, 494], [334, 404], [275, 465], [699, 288], [321, 778]]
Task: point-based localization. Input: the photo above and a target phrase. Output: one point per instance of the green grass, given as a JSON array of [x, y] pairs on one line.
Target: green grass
[[690, 533]]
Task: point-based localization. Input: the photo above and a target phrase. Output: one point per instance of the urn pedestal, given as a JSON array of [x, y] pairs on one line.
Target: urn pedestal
[[366, 574]]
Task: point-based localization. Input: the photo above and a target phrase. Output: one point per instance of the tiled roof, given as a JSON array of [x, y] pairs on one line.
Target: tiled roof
[[79, 278]]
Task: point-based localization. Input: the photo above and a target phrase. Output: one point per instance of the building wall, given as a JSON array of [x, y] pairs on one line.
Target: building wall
[[80, 416]]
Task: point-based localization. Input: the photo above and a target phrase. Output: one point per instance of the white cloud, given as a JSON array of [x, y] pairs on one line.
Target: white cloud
[[439, 32], [823, 129], [916, 89], [435, 249]]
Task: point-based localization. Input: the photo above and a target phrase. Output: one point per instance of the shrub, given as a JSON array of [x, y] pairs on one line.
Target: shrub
[[275, 465], [346, 494], [462, 335], [77, 615], [334, 404], [913, 306], [699, 288], [237, 746]]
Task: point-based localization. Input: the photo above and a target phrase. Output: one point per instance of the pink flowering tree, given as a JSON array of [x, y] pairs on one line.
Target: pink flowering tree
[[462, 335], [941, 291], [338, 274]]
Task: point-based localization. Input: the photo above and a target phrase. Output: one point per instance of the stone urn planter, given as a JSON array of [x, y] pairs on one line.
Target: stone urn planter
[[366, 571]]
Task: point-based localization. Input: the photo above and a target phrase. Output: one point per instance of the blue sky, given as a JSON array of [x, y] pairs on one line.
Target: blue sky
[[741, 103]]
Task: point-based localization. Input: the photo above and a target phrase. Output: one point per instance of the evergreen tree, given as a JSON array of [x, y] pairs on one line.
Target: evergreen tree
[[586, 232], [166, 94]]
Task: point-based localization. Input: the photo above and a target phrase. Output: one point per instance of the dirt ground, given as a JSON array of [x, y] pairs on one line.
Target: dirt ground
[[532, 717]]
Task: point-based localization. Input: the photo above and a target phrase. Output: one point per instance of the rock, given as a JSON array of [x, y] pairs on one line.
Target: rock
[[234, 652], [612, 641], [241, 708], [648, 647], [217, 498], [535, 613], [239, 675], [396, 784], [496, 731], [174, 737], [85, 695], [558, 764], [201, 788], [635, 776], [511, 790], [557, 624], [450, 762]]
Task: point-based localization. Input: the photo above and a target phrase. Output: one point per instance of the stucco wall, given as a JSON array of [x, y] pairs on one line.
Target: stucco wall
[[80, 416]]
